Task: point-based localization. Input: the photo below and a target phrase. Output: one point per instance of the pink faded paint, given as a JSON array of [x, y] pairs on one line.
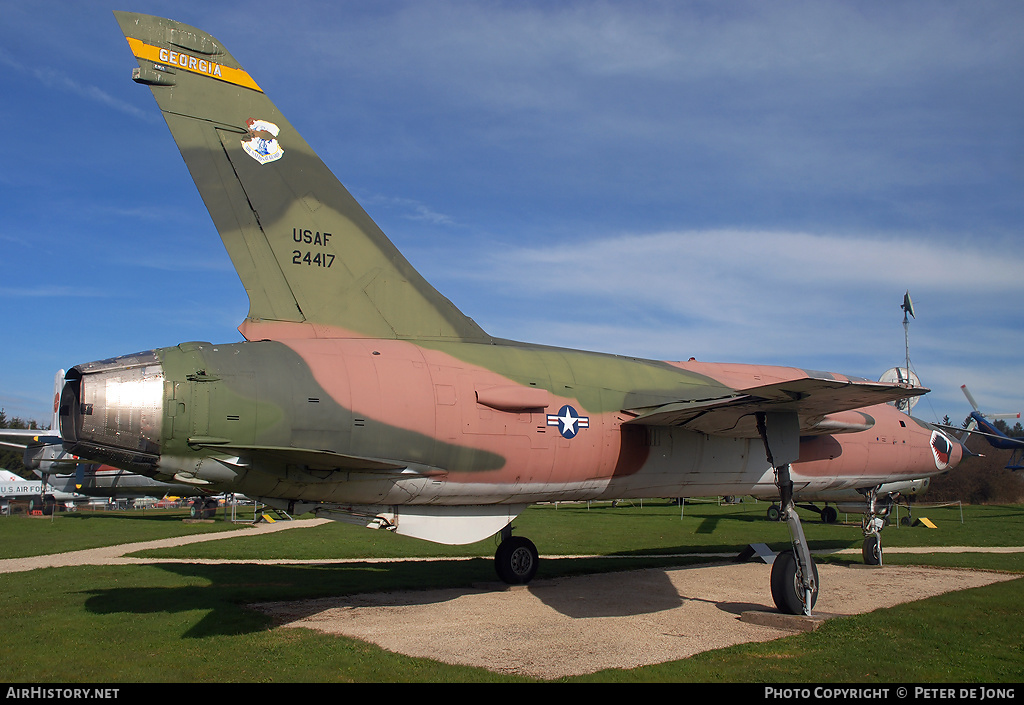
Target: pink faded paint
[[439, 396], [252, 329], [434, 394], [895, 448], [741, 376]]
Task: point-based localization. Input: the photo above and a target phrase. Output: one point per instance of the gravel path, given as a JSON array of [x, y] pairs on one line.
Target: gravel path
[[578, 625], [571, 626]]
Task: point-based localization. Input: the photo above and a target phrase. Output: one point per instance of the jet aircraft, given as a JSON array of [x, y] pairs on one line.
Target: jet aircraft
[[15, 487], [96, 480], [361, 393]]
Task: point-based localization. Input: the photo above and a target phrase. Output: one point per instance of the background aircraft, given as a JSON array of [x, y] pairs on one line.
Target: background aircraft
[[363, 394], [874, 503], [97, 480], [851, 501], [39, 494], [43, 454], [64, 474], [991, 433]]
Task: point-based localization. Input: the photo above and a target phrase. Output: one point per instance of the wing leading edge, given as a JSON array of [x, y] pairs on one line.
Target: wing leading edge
[[817, 402]]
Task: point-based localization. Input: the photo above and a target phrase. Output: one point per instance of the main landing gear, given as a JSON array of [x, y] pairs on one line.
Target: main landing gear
[[794, 578], [516, 559], [829, 515], [203, 508]]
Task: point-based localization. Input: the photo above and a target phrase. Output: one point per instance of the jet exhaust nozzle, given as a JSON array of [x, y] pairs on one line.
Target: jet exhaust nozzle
[[112, 411]]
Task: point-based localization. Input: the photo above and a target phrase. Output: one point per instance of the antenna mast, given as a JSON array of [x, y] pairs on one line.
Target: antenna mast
[[908, 310]]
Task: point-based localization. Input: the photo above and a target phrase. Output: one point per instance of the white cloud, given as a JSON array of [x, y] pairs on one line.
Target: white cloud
[[813, 301], [753, 271], [407, 209]]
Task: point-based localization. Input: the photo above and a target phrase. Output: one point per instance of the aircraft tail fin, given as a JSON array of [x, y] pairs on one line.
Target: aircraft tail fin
[[312, 261], [58, 385]]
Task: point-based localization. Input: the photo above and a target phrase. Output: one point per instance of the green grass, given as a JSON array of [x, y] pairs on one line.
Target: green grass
[[957, 637], [181, 622], [62, 532], [629, 530]]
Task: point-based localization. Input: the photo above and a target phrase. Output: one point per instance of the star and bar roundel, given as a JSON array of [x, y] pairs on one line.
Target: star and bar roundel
[[568, 421]]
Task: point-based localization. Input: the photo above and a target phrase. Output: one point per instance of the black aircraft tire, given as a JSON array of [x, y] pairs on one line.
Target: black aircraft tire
[[872, 550], [787, 591], [209, 509], [774, 513], [516, 560], [829, 515]]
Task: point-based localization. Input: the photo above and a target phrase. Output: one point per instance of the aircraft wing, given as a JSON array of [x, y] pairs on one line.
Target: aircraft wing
[[22, 438], [307, 457], [817, 402]]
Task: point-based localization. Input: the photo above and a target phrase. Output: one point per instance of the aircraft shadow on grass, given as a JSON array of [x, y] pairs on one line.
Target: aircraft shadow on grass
[[230, 591]]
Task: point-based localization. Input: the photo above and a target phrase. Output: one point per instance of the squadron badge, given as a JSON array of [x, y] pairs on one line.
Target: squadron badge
[[261, 143]]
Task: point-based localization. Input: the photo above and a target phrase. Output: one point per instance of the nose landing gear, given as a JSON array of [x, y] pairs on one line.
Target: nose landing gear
[[876, 516]]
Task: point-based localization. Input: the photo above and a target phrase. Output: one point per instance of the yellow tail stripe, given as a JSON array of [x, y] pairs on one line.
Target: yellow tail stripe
[[194, 64]]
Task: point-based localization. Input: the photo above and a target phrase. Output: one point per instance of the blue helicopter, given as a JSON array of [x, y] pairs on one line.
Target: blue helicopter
[[980, 424]]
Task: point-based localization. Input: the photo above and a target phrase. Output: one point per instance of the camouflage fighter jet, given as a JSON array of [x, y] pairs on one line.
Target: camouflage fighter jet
[[363, 394]]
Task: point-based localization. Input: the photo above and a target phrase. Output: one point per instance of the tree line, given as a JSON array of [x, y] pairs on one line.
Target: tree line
[[10, 459], [984, 478]]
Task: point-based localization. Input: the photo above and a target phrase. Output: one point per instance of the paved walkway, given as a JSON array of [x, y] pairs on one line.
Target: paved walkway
[[118, 555], [114, 555]]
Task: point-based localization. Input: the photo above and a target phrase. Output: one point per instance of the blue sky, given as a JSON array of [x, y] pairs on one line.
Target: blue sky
[[732, 181]]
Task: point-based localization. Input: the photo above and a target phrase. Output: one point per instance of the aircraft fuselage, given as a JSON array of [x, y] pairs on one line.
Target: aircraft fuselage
[[381, 422]]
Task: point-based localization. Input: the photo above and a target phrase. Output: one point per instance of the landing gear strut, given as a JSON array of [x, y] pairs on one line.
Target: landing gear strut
[[828, 514], [875, 518], [794, 577], [516, 559]]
